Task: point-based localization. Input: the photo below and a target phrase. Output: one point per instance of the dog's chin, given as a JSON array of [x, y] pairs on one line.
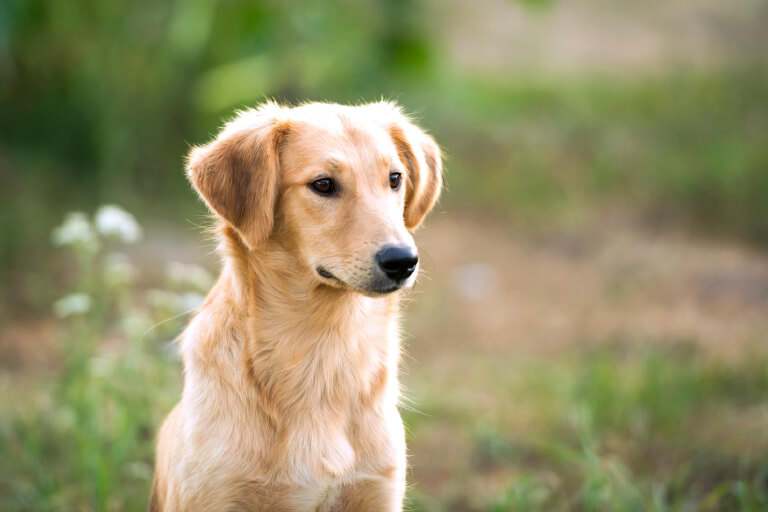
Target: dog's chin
[[380, 291]]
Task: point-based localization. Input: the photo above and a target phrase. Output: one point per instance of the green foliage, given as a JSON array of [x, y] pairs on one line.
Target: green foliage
[[684, 148]]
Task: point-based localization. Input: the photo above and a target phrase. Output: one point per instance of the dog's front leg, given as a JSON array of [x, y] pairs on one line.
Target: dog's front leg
[[373, 494]]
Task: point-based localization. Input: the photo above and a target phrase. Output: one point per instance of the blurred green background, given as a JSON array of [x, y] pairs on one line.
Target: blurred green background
[[590, 332]]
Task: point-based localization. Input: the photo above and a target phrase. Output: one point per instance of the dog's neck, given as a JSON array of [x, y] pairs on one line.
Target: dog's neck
[[307, 343]]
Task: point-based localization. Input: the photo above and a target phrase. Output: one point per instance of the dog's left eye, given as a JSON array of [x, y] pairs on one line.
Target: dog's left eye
[[395, 179], [324, 186]]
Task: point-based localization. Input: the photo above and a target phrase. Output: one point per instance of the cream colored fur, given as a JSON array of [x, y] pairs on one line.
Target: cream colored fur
[[291, 379]]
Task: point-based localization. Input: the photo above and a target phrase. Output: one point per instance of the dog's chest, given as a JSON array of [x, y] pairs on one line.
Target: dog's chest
[[313, 467], [297, 426], [317, 454]]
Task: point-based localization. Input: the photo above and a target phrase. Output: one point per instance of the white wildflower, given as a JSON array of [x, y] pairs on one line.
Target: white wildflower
[[115, 222], [183, 274], [72, 304], [75, 230], [118, 269]]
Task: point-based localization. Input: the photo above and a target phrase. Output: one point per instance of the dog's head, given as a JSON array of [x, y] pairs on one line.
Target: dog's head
[[340, 187]]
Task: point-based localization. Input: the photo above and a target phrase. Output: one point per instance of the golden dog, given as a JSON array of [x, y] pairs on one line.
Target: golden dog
[[291, 388]]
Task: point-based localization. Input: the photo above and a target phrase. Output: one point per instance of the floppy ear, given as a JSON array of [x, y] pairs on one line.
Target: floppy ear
[[237, 174], [421, 156]]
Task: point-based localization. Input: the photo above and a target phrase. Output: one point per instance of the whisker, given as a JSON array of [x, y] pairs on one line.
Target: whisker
[[164, 321]]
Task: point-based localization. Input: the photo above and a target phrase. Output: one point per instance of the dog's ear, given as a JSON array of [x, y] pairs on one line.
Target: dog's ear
[[237, 174], [421, 156]]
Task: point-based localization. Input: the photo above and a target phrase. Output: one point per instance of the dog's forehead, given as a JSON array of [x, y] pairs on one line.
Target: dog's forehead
[[340, 122], [333, 134]]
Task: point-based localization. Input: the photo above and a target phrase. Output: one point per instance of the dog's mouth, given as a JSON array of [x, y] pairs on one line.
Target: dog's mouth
[[324, 273], [378, 289]]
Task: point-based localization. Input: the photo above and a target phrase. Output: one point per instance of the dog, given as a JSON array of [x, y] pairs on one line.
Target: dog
[[291, 391]]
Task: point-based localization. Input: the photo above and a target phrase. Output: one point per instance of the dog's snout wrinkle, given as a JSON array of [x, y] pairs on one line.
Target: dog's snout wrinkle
[[397, 262]]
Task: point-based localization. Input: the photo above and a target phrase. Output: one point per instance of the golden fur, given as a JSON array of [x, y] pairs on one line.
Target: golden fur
[[291, 387]]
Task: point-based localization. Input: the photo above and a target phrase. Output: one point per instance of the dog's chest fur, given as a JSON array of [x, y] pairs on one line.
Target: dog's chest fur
[[289, 412]]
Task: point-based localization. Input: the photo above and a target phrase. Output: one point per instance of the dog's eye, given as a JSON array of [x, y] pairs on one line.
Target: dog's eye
[[395, 178], [324, 186]]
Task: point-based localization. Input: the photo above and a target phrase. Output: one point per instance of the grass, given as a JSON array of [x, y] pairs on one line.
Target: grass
[[616, 429], [83, 439]]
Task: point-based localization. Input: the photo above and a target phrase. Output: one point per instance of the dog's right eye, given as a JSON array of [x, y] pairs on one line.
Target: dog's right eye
[[324, 186]]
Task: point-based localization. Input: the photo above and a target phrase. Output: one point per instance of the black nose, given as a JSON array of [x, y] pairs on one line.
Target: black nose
[[397, 262]]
